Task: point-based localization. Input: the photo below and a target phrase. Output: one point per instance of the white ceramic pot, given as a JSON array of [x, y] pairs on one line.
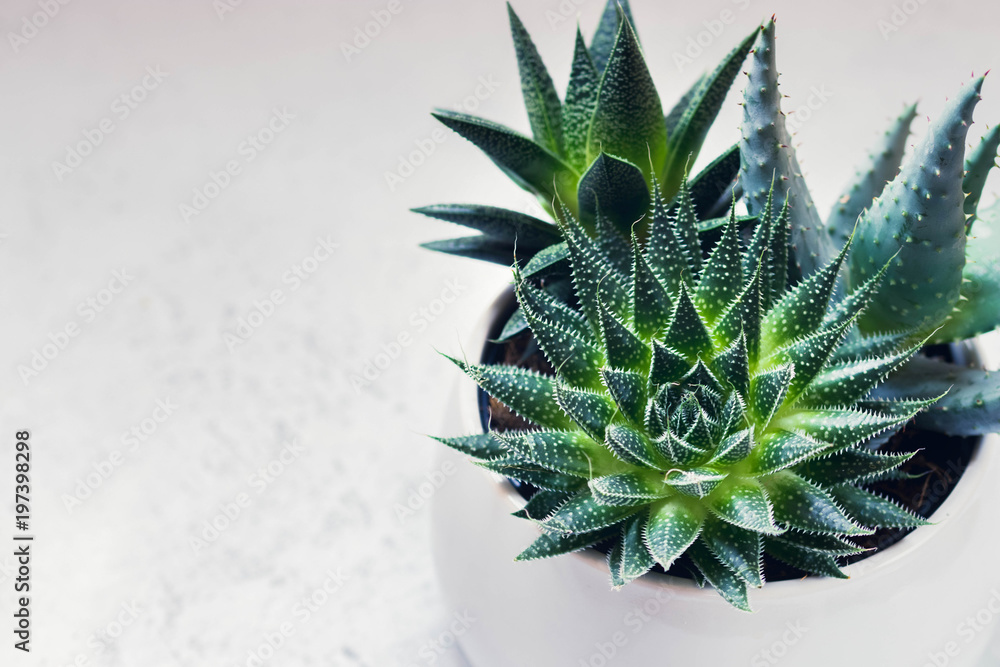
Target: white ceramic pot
[[932, 599]]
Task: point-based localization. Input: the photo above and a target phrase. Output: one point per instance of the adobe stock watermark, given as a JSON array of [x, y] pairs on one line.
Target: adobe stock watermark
[[419, 496], [264, 309], [131, 440], [420, 320], [246, 152], [88, 311], [31, 24], [713, 29], [230, 511], [565, 12], [302, 613], [224, 7], [101, 641], [967, 631], [433, 649], [798, 117], [365, 33], [773, 654], [121, 108], [634, 622], [899, 16], [408, 163]]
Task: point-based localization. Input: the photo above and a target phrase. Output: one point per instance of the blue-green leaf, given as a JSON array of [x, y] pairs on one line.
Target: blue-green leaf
[[919, 223], [869, 181]]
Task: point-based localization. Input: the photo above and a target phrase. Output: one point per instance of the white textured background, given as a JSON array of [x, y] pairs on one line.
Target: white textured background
[[324, 176]]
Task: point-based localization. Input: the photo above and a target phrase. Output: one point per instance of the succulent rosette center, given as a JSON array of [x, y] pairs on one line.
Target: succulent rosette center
[[701, 407]]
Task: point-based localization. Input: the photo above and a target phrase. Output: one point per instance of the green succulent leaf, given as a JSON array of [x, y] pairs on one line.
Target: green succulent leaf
[[527, 393], [530, 165], [802, 505], [542, 504], [629, 488], [624, 349], [480, 446], [843, 427], [729, 585], [876, 509], [603, 42], [783, 449], [540, 96], [482, 248], [651, 304], [664, 251], [584, 514], [549, 545], [581, 99], [768, 390], [850, 465], [721, 280], [499, 224], [617, 188], [695, 482], [738, 549], [744, 503], [567, 452], [628, 390], [591, 410], [803, 309], [633, 558], [671, 528], [734, 448], [688, 133], [628, 120], [553, 259], [514, 467], [687, 332], [734, 365], [807, 560], [712, 189]]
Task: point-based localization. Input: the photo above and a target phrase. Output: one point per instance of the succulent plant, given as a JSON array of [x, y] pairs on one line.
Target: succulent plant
[[943, 279], [699, 408], [722, 383], [600, 149]]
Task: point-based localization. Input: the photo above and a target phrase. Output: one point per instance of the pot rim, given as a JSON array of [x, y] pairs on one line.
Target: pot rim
[[884, 560]]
